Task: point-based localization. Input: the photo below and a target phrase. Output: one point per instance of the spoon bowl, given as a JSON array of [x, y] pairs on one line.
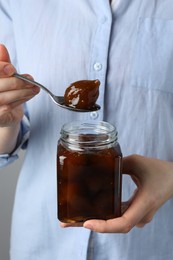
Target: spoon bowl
[[58, 100]]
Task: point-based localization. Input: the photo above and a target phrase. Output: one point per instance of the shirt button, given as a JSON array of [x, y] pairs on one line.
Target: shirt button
[[103, 19], [94, 114], [97, 66]]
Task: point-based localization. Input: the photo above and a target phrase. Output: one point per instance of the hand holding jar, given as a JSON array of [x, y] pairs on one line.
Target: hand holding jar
[[154, 180]]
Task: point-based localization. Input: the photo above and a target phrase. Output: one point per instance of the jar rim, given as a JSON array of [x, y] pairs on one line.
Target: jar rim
[[98, 132]]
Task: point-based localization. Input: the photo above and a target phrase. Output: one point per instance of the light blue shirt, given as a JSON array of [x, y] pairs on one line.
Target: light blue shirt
[[128, 46]]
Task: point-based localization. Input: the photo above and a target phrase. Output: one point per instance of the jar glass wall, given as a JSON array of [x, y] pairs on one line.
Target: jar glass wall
[[88, 172]]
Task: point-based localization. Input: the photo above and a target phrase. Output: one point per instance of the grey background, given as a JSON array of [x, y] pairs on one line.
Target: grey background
[[8, 180]]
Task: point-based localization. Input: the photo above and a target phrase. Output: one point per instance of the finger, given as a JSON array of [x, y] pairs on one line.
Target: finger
[[126, 204], [134, 166], [64, 225], [128, 165], [132, 216], [5, 109], [4, 55], [15, 95], [118, 225], [6, 69], [8, 108], [13, 83], [147, 219], [140, 225]]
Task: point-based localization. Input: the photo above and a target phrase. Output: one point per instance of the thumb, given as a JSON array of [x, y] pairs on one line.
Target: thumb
[[6, 68], [4, 55]]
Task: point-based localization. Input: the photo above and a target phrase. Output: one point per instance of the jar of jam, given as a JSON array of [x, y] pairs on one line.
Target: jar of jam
[[88, 172]]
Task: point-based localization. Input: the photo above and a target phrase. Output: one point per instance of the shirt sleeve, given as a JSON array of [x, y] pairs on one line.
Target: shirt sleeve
[[7, 38], [22, 141]]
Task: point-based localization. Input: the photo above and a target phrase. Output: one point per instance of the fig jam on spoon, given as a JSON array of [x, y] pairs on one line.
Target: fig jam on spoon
[[82, 94]]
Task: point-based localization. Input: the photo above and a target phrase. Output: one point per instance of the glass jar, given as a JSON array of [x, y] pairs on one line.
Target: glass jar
[[88, 172]]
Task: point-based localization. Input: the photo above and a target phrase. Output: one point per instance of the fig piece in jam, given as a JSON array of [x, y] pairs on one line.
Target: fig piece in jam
[[82, 94]]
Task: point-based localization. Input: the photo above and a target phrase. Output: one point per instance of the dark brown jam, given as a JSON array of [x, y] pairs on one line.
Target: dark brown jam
[[89, 181], [82, 94]]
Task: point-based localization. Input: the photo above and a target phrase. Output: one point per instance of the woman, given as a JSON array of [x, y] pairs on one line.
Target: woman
[[128, 46]]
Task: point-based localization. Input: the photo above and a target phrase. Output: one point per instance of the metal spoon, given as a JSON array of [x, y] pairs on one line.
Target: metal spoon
[[59, 100]]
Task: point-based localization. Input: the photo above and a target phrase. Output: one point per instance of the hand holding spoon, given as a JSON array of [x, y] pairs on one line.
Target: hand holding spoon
[[80, 96]]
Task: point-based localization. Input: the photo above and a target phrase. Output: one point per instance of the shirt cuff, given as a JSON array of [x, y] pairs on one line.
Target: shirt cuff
[[22, 141]]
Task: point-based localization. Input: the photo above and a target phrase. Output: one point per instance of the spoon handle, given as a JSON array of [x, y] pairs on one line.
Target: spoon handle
[[32, 82]]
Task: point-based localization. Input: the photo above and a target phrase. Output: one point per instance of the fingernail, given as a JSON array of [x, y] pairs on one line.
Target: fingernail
[[88, 226], [36, 89], [29, 77], [9, 70]]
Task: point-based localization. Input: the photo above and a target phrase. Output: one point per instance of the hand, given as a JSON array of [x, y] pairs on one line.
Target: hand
[[154, 180], [13, 92]]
